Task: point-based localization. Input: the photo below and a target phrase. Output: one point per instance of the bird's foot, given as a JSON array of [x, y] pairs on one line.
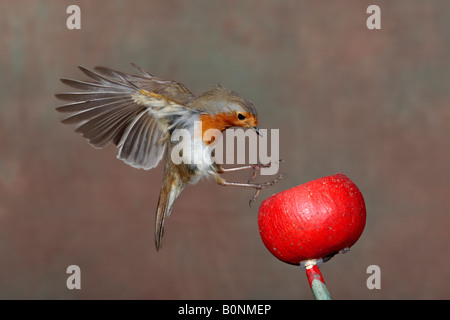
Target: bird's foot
[[260, 186]]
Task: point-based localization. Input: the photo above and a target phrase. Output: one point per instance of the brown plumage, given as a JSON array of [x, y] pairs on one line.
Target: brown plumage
[[139, 113]]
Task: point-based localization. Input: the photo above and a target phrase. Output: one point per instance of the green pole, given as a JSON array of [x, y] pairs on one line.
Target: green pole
[[315, 279]]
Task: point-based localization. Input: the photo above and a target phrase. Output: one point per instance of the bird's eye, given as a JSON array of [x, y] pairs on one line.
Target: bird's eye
[[241, 116]]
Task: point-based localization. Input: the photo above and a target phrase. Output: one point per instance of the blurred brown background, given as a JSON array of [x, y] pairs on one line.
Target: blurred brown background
[[373, 104]]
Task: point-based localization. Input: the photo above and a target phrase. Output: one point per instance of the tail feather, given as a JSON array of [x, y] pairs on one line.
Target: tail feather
[[170, 190]]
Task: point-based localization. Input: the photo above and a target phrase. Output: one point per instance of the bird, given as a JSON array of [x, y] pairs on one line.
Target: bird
[[140, 112]]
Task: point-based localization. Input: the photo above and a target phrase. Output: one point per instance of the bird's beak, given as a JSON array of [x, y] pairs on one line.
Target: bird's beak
[[257, 131]]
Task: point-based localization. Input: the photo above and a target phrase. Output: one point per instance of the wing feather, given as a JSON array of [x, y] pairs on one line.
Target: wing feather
[[87, 86], [105, 110]]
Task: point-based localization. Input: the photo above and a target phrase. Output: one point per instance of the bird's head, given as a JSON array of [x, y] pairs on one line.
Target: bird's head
[[229, 108], [246, 119]]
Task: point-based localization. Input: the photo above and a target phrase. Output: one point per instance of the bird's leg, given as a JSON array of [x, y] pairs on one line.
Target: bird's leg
[[258, 186], [223, 170], [255, 167]]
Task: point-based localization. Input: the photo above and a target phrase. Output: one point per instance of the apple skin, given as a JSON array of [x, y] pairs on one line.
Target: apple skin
[[313, 220]]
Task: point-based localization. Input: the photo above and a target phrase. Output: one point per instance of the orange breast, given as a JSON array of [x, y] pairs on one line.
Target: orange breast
[[220, 121], [223, 121]]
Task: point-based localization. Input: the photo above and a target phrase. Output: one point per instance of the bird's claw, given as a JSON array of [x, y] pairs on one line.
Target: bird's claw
[[253, 199], [260, 186], [257, 167]]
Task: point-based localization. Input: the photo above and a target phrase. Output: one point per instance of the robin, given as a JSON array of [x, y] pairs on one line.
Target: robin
[[140, 113]]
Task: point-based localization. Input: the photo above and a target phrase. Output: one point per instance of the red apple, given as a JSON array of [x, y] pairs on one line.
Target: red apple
[[313, 220]]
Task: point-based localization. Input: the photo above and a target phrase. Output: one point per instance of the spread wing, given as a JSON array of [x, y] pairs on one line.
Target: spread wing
[[134, 112]]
